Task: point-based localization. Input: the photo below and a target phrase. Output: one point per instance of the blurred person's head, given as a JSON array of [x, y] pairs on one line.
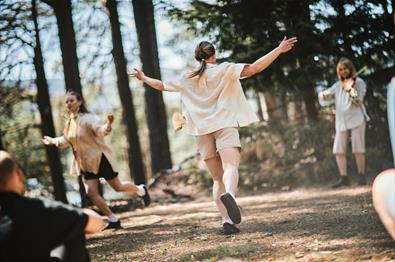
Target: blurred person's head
[[11, 177], [345, 69], [204, 53], [75, 103]]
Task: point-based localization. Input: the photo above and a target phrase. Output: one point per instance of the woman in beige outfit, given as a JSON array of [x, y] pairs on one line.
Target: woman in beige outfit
[[93, 159], [214, 106]]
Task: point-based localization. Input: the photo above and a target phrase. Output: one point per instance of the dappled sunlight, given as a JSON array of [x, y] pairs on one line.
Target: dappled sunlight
[[315, 224]]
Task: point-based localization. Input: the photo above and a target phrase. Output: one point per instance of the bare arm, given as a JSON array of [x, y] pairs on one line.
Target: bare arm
[[152, 82], [266, 60], [382, 187], [55, 141], [100, 129]]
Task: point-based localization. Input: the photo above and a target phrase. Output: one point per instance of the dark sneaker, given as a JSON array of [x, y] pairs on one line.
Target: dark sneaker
[[230, 229], [232, 208], [343, 181], [146, 197], [361, 180], [113, 225]]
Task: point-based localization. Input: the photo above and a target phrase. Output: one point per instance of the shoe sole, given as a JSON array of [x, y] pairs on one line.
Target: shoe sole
[[233, 232], [231, 207], [107, 227]]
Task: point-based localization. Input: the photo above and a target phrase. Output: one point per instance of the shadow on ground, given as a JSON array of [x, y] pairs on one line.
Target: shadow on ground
[[307, 225]]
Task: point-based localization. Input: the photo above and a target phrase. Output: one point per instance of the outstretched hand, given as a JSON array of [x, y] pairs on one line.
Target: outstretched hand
[[287, 44], [138, 74], [47, 140], [110, 120]]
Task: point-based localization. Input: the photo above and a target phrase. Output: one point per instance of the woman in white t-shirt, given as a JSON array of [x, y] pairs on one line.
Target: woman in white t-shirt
[[214, 106]]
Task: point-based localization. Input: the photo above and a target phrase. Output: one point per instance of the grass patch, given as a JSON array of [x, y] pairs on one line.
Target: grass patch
[[218, 253]]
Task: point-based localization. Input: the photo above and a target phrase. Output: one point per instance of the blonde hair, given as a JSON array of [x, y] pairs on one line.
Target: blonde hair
[[347, 64]]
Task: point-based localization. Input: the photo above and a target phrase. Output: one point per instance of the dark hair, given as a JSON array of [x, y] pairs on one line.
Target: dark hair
[[7, 167], [79, 98], [204, 50]]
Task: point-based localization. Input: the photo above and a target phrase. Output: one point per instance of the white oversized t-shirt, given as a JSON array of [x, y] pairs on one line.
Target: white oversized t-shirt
[[213, 101]]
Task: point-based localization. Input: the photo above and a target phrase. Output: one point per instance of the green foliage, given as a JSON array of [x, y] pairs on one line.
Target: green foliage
[[299, 154], [327, 30], [20, 134]]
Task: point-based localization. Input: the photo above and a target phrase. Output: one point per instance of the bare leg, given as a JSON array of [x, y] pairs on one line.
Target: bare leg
[[214, 166], [360, 159], [341, 161], [91, 187], [119, 186], [230, 158]]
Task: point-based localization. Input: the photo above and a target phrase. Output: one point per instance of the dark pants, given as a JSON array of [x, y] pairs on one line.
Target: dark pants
[[72, 251]]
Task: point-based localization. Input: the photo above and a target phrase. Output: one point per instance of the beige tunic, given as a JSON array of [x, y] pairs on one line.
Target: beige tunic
[[89, 145], [213, 101]]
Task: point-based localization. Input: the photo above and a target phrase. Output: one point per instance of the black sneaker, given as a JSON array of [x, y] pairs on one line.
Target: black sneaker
[[343, 181], [232, 208], [113, 225], [230, 229], [146, 197], [361, 180]]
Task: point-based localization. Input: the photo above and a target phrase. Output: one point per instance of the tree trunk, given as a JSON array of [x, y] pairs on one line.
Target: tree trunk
[[155, 108], [309, 99], [1, 141], [47, 125], [284, 107], [258, 105], [274, 107], [343, 22], [68, 44], [134, 150], [302, 24]]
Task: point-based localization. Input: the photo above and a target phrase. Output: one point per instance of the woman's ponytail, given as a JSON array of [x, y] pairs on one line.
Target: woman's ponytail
[[203, 51]]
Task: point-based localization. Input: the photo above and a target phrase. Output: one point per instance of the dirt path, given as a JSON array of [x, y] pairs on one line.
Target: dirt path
[[302, 225]]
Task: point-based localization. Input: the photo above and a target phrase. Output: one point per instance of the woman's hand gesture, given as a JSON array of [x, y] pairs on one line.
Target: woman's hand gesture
[[47, 140], [110, 120], [287, 44], [137, 74]]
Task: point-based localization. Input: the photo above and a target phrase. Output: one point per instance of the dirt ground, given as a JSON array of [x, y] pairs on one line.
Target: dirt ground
[[303, 225]]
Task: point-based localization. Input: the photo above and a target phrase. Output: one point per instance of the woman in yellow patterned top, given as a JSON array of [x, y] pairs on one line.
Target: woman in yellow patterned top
[[93, 159]]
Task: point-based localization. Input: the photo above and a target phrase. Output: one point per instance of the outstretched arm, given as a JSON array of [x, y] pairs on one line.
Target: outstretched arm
[[152, 82], [97, 126], [266, 60], [55, 141]]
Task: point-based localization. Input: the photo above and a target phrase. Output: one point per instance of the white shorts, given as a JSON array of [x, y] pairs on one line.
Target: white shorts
[[357, 140]]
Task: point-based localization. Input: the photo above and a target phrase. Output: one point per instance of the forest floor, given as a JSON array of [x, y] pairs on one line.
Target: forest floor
[[310, 224]]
